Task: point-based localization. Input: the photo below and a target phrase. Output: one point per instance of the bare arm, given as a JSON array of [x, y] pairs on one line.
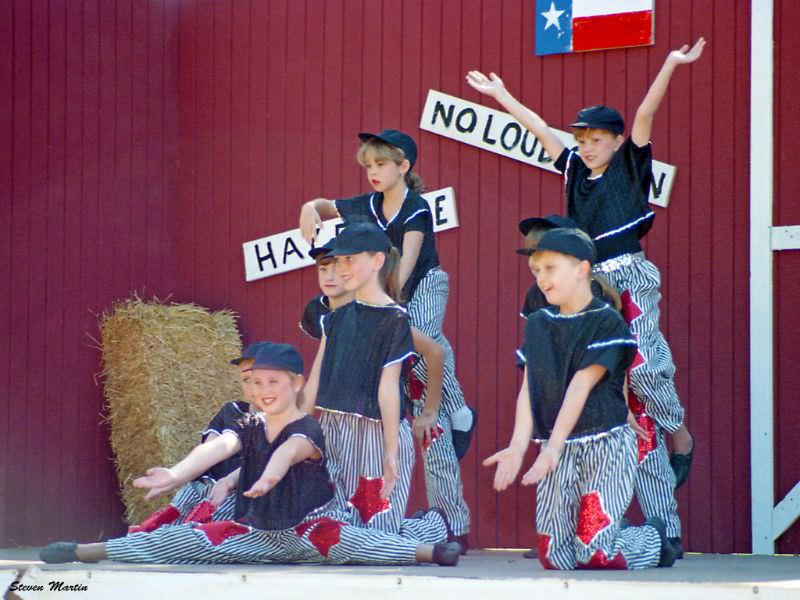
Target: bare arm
[[493, 86], [412, 244], [433, 353], [643, 122], [389, 403], [294, 450], [309, 398], [571, 408], [509, 460], [159, 479], [311, 215]]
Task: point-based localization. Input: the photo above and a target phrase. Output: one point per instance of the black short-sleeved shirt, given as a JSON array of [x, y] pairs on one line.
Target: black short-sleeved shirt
[[535, 299], [362, 339], [414, 215], [613, 208], [557, 346], [228, 415], [311, 322], [305, 487]]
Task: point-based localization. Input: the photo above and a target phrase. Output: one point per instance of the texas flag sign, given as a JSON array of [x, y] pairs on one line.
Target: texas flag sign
[[582, 25]]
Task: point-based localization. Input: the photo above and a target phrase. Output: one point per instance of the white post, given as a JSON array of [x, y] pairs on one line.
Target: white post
[[762, 459]]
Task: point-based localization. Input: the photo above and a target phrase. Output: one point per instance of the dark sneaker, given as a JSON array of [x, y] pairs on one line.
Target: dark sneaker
[[681, 464], [532, 553], [676, 543], [668, 552], [462, 541], [446, 555], [462, 439], [59, 552]]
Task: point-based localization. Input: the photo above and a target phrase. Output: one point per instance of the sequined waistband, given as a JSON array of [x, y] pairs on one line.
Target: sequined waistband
[[623, 260]]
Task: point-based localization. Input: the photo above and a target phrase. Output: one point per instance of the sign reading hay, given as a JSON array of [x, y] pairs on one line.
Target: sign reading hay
[[166, 373]]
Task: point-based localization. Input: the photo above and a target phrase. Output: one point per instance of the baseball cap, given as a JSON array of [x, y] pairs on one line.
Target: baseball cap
[[282, 357], [248, 353], [600, 117], [360, 237], [396, 138], [319, 251], [551, 221], [572, 242]]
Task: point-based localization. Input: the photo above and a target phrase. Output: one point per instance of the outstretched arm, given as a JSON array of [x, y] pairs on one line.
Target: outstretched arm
[[571, 407], [493, 86], [294, 450], [159, 479], [312, 214], [509, 460], [643, 122]]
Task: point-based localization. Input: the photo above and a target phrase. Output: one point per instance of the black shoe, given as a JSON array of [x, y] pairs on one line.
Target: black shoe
[[676, 543], [446, 555], [681, 464], [462, 541], [668, 552], [462, 439], [59, 552], [532, 553]]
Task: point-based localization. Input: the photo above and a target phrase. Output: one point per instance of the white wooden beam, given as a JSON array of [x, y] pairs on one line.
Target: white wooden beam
[[786, 238]]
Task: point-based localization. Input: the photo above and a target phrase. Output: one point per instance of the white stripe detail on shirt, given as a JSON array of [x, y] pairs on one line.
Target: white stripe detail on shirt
[[521, 356], [401, 359], [624, 227], [617, 342]]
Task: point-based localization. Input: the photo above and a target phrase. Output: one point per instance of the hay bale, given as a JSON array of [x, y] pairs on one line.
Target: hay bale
[[166, 373]]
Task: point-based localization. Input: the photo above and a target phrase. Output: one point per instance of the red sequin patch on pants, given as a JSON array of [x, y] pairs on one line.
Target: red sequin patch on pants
[[650, 444], [592, 519], [201, 513], [166, 516], [325, 533], [600, 560], [415, 387], [367, 499], [219, 531], [543, 546]]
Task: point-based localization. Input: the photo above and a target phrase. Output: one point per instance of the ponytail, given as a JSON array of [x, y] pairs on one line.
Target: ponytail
[[389, 273], [609, 293], [414, 182]]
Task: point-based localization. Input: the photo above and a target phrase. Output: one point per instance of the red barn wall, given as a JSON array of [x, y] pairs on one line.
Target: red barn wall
[[88, 182], [150, 139], [273, 94]]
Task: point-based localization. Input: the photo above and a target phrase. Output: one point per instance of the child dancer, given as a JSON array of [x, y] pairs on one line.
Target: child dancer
[[607, 184], [199, 499], [576, 353], [431, 426], [398, 209], [281, 501]]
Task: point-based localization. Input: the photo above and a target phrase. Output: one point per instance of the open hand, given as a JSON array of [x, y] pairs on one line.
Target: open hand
[[508, 463], [157, 480], [426, 429], [545, 463], [492, 85], [686, 56], [389, 475], [310, 221], [221, 490], [262, 486]]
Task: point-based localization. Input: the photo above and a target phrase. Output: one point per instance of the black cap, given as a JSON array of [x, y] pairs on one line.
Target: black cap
[[600, 117], [360, 237], [319, 251], [396, 138], [281, 357], [549, 222], [573, 242], [249, 352]]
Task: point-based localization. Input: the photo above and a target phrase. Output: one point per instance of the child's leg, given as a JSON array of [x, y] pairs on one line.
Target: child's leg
[[427, 309], [443, 476], [655, 486], [607, 470], [340, 450]]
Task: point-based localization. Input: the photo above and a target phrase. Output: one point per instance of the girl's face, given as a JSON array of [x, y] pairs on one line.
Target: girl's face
[[272, 391], [597, 147], [357, 270], [560, 277], [384, 174], [329, 282]]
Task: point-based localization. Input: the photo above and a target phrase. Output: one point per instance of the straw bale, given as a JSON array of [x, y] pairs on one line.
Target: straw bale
[[166, 372]]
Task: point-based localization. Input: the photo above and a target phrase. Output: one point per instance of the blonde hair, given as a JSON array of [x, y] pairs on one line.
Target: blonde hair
[[383, 151], [580, 132], [389, 273]]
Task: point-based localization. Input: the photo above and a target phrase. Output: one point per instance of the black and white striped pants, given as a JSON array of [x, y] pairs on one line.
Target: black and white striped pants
[[580, 504], [322, 537], [652, 374], [355, 462], [427, 309], [443, 484], [654, 484]]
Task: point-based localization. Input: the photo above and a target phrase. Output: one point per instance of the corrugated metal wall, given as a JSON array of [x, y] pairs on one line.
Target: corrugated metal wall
[[271, 95], [88, 156]]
